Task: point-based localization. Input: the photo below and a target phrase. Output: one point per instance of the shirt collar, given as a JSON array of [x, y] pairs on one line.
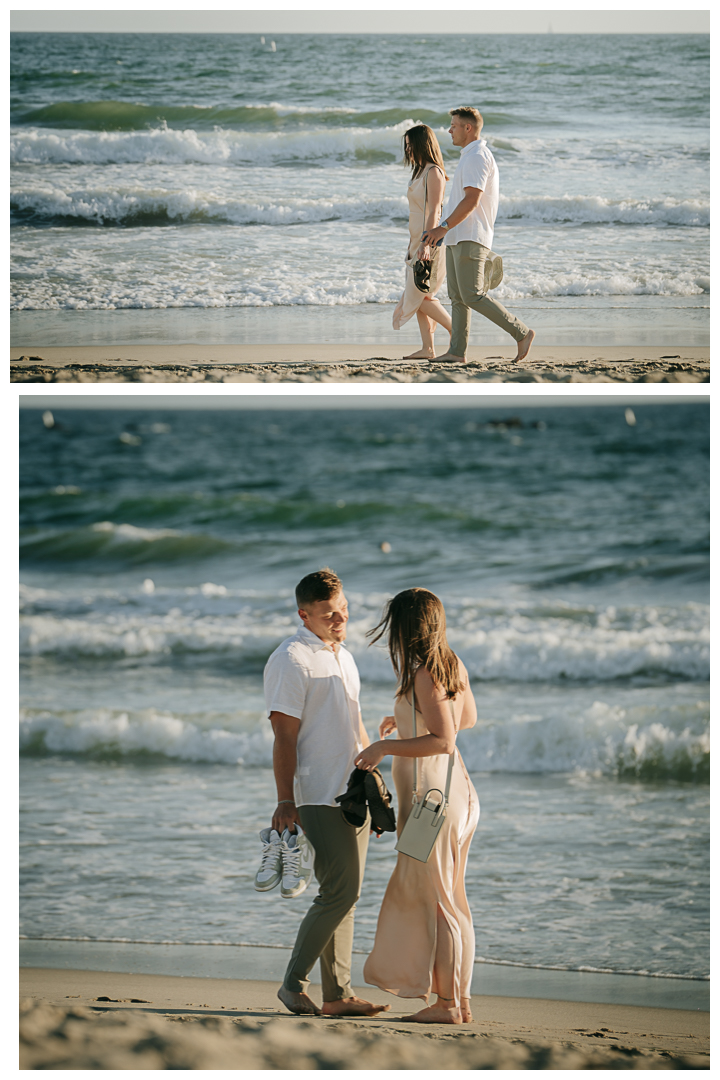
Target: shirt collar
[[315, 643], [475, 142]]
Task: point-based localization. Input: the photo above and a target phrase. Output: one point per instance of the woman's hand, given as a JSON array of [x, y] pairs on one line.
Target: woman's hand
[[424, 252], [371, 756], [388, 724]]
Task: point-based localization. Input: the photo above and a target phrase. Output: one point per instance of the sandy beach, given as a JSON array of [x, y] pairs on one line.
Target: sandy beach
[[100, 1020], [354, 364]]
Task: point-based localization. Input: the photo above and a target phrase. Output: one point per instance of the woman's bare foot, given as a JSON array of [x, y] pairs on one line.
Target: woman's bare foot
[[421, 354], [352, 1007], [300, 1004], [524, 345], [435, 1014], [465, 1010], [442, 1012]]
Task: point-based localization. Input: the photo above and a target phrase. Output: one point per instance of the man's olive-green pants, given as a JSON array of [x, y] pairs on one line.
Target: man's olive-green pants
[[326, 932], [465, 268]]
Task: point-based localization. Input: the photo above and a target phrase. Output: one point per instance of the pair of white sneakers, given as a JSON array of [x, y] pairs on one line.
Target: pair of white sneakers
[[286, 859]]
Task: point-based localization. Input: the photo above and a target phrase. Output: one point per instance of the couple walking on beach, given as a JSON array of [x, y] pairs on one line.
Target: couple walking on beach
[[424, 941], [458, 244]]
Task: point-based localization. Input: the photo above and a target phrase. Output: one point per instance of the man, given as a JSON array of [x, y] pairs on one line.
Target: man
[[312, 691], [468, 234]]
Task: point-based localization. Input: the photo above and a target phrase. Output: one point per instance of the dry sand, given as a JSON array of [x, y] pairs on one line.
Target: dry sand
[[96, 1020], [354, 364]]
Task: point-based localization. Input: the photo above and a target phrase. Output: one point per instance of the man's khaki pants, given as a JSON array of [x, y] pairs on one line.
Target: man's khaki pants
[[326, 932], [465, 268]]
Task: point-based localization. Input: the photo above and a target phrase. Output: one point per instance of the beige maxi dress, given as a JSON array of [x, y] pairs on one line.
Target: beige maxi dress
[[412, 298], [425, 901]]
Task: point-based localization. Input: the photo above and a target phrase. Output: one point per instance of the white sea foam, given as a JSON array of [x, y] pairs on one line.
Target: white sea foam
[[221, 146], [118, 204], [518, 646], [122, 202], [201, 283], [29, 594], [594, 210], [630, 281], [146, 732], [133, 533], [526, 645], [603, 739], [137, 635], [169, 146]]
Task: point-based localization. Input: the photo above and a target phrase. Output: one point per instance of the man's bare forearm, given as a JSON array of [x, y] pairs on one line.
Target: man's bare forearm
[[284, 765], [463, 209], [286, 730]]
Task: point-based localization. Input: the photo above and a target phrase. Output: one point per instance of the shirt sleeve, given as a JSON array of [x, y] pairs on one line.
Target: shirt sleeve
[[478, 172], [285, 682]]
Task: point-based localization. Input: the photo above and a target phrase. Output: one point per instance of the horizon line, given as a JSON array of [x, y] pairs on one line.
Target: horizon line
[[387, 33], [341, 402]]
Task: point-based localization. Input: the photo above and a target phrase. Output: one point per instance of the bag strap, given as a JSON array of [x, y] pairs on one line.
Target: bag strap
[[451, 759]]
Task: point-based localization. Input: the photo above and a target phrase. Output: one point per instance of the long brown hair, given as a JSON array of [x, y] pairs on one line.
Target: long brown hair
[[421, 148], [414, 621]]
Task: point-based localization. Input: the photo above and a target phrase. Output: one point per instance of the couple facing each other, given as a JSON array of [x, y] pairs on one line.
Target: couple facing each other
[[424, 940], [466, 233]]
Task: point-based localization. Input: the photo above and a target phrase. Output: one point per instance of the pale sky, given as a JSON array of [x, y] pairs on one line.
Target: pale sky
[[411, 20]]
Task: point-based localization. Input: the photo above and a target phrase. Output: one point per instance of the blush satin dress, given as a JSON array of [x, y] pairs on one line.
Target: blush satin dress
[[425, 940], [412, 298]]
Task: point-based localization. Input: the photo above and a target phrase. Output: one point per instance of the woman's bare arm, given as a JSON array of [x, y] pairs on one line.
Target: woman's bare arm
[[433, 207], [433, 703], [435, 191], [468, 717]]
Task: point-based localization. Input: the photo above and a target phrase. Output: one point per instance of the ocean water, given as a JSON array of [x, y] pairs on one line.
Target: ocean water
[[209, 173], [159, 552]]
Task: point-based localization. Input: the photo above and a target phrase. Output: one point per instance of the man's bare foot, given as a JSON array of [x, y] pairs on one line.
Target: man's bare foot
[[421, 354], [448, 358], [465, 1010], [524, 345], [300, 1004], [352, 1007], [436, 1014]]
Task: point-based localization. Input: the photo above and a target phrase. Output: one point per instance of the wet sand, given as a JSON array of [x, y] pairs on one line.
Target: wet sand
[[354, 364], [96, 1020]]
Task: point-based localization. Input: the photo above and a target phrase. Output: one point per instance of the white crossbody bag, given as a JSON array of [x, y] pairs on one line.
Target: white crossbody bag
[[427, 815]]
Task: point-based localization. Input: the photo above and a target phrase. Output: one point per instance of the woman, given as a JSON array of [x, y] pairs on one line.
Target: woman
[[425, 196], [424, 940]]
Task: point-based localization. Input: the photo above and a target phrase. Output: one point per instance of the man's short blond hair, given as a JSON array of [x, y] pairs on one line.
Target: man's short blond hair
[[322, 585], [470, 115]]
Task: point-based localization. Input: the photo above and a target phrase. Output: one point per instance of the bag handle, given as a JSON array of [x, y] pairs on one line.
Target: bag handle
[[451, 759]]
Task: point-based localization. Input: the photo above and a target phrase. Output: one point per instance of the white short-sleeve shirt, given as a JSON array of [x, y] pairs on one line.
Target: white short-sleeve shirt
[[306, 678], [476, 168]]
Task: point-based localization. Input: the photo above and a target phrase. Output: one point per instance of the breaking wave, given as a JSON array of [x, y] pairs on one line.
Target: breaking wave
[[131, 116], [168, 146], [521, 646], [604, 739], [126, 544], [136, 205]]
